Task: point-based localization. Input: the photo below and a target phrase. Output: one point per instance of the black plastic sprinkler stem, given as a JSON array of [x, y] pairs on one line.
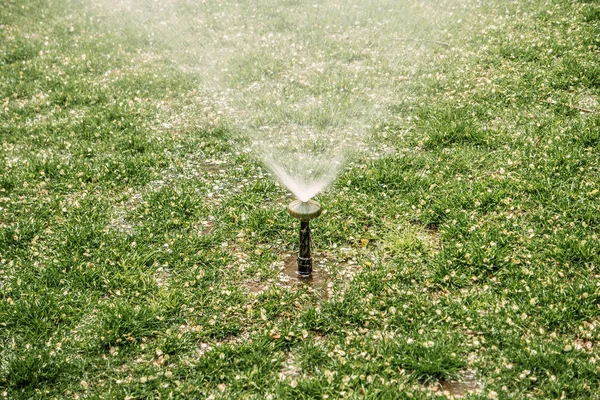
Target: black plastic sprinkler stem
[[304, 258], [304, 211]]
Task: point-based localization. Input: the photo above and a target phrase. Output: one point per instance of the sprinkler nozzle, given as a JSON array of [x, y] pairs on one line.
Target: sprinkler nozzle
[[304, 210]]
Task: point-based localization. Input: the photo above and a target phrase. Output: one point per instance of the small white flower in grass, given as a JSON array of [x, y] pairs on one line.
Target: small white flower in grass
[[524, 374], [533, 301]]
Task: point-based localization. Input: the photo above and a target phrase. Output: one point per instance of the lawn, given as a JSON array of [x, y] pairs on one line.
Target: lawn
[[145, 249]]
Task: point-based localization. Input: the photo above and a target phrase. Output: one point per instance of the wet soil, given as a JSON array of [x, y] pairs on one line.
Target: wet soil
[[288, 276]]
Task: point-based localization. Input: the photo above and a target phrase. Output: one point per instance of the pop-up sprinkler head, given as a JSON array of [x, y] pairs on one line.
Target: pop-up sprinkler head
[[304, 211]]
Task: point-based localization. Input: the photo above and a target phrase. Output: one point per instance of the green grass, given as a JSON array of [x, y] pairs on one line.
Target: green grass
[[139, 252]]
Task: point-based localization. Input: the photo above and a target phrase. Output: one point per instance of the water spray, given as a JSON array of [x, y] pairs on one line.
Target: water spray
[[304, 211]]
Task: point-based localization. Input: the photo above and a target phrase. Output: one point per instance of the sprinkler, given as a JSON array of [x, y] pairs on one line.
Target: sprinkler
[[304, 211]]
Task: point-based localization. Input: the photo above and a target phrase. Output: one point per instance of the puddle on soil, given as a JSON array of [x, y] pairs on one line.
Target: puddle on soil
[[287, 266], [316, 282], [467, 384]]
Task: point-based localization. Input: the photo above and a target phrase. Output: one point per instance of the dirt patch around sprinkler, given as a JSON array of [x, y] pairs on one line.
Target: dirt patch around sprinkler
[[318, 283], [466, 384], [288, 276]]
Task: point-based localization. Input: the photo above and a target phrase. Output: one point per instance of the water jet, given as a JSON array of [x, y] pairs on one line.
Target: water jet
[[304, 211]]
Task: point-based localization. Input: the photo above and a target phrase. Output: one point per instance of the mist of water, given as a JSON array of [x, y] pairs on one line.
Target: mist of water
[[300, 83]]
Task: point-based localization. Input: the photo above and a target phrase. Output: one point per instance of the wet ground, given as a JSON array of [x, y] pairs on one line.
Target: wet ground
[[288, 276], [466, 384]]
